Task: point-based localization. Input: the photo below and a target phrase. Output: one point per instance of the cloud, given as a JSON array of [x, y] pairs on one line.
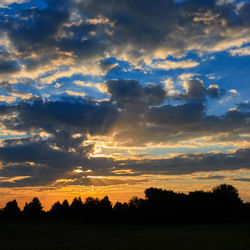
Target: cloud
[[176, 115], [169, 27], [72, 113], [55, 167], [7, 99], [100, 86], [191, 163], [245, 51], [135, 116], [168, 65], [196, 91], [241, 179], [92, 31], [211, 177], [244, 106], [8, 65], [133, 111], [43, 165], [131, 95], [5, 3], [48, 164]]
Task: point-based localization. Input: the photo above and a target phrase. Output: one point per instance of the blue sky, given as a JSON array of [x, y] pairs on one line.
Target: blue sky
[[157, 91]]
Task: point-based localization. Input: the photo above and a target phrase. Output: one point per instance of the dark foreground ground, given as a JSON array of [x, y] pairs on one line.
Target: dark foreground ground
[[68, 235]]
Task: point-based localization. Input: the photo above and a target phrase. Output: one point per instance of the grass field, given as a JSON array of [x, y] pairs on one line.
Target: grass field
[[59, 235]]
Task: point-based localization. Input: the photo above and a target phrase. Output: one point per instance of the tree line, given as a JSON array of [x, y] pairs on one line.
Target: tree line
[[222, 203]]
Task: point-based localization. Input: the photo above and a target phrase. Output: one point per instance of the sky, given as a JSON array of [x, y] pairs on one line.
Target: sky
[[108, 97]]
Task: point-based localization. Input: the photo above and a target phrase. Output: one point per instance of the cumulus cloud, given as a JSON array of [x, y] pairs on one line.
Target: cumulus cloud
[[73, 113], [129, 93], [94, 30], [167, 27], [68, 122], [196, 91], [133, 111]]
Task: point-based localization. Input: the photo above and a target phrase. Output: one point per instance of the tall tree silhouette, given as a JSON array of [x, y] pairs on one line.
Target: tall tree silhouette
[[120, 210], [91, 209], [65, 208], [105, 209], [76, 207], [33, 209], [56, 209]]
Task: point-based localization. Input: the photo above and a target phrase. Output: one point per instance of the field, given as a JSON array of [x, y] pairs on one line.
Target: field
[[68, 235]]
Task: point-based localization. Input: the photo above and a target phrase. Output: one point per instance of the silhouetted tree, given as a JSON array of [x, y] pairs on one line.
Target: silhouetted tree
[[160, 206], [227, 193], [200, 206], [56, 209], [76, 207], [163, 205], [11, 210], [105, 207], [136, 208], [120, 210], [227, 202], [91, 209], [65, 208], [33, 209], [59, 210]]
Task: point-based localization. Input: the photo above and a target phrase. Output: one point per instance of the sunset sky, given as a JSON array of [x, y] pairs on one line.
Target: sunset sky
[[109, 97]]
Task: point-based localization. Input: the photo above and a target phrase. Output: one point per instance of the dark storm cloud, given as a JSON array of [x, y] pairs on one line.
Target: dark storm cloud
[[131, 93], [37, 27], [33, 32], [89, 40], [176, 115], [168, 24], [39, 152], [36, 159], [8, 65], [194, 112], [178, 123], [244, 106], [49, 34], [191, 163], [73, 114], [197, 92]]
